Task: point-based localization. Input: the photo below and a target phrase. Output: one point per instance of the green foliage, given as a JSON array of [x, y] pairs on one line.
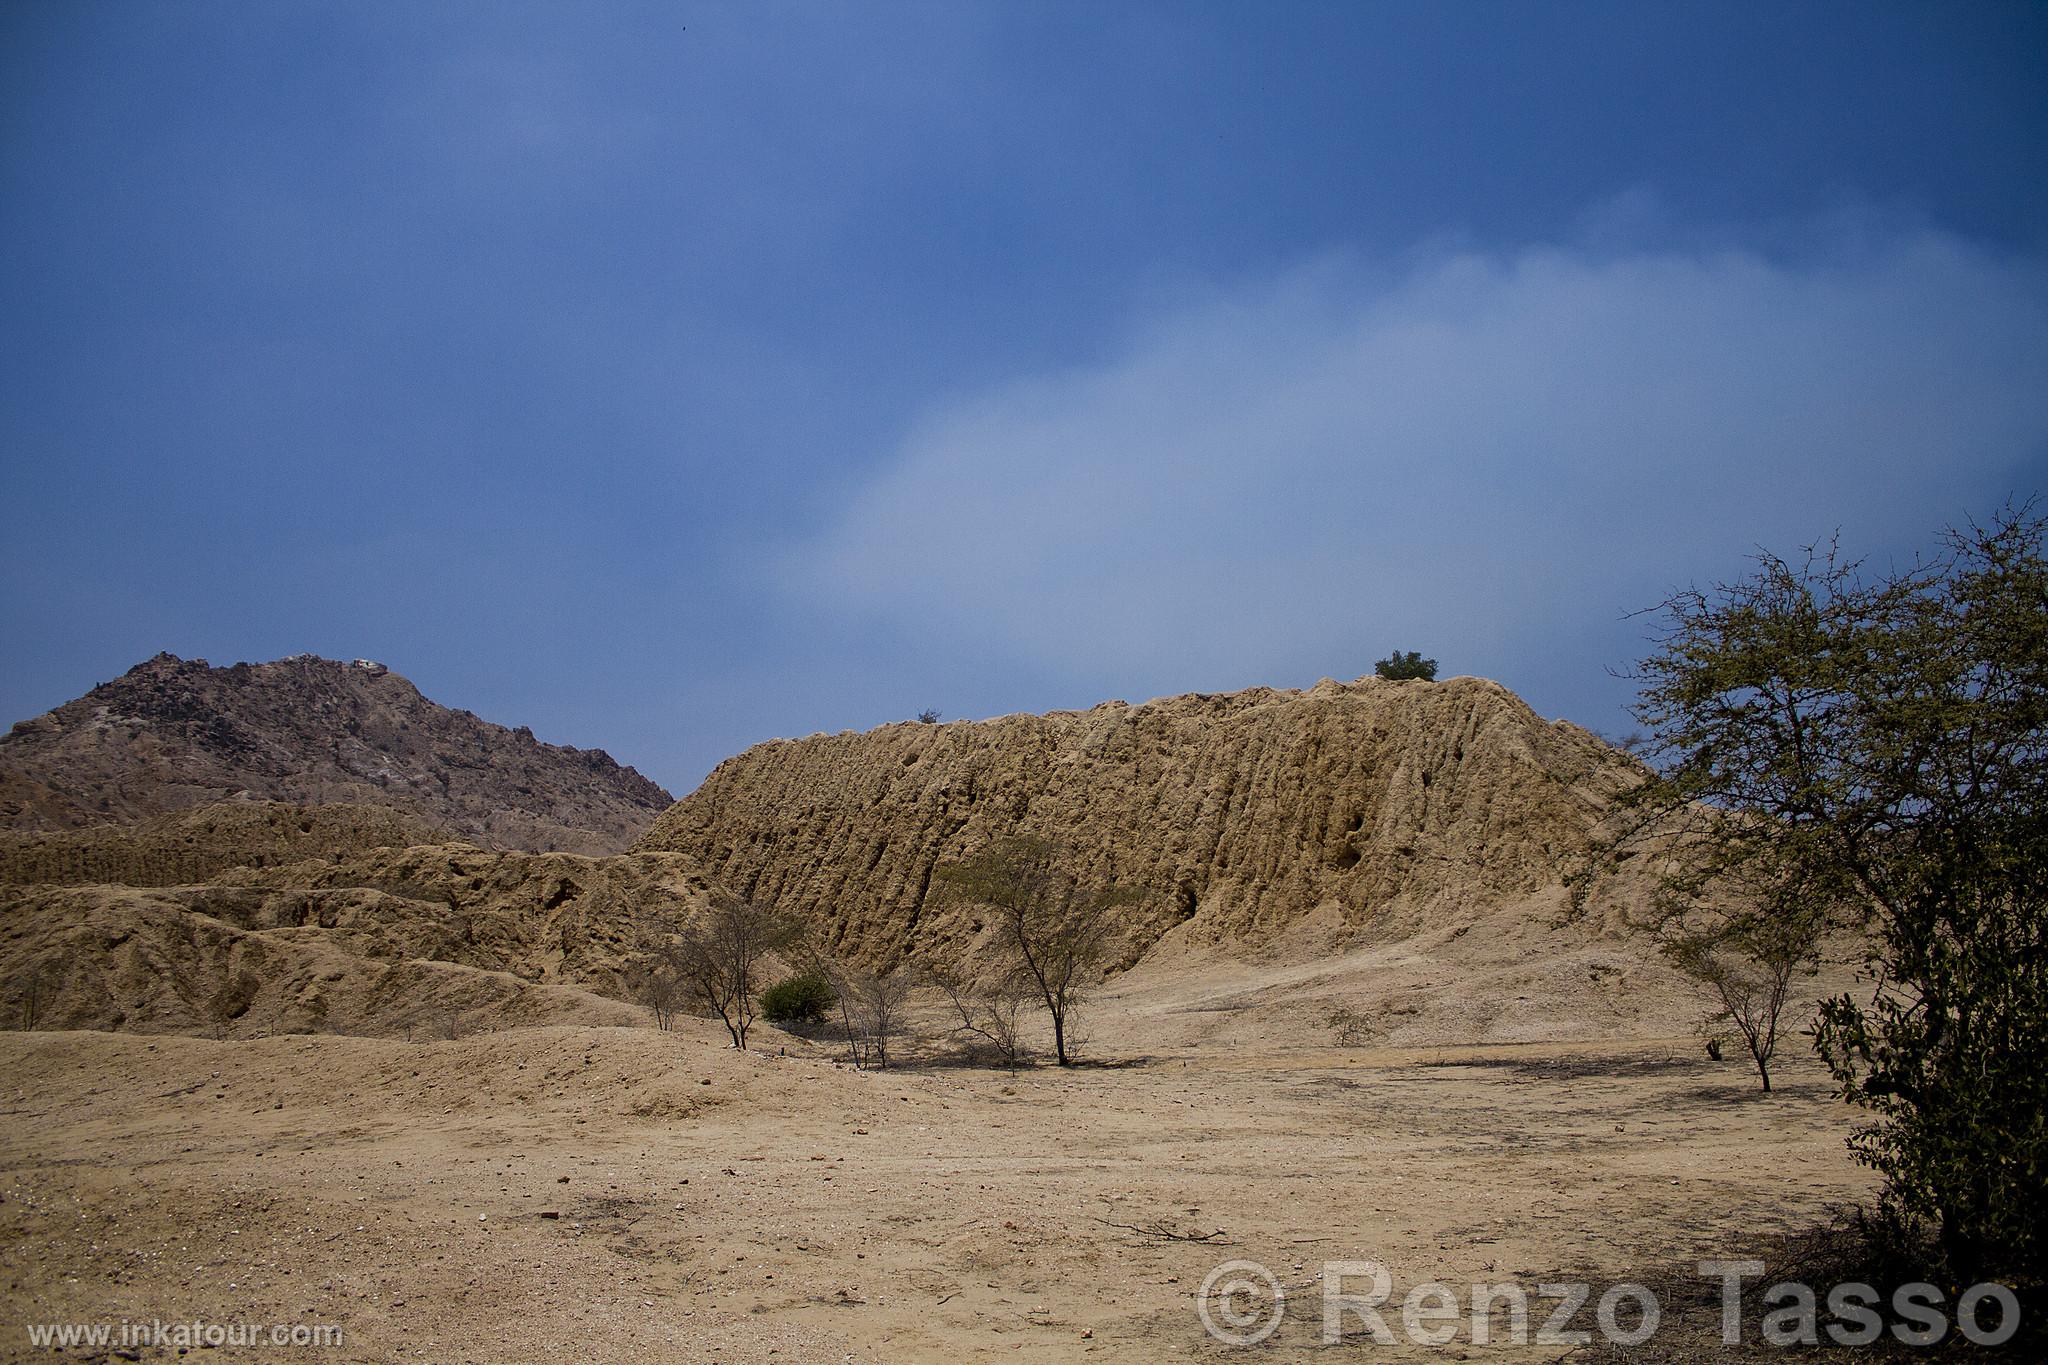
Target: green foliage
[[799, 999], [1746, 954], [1875, 748], [1398, 666], [1055, 928]]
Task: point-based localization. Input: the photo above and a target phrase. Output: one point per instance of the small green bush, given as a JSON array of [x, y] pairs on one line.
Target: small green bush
[[1399, 666], [799, 999]]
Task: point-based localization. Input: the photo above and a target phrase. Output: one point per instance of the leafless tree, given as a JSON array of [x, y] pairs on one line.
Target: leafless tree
[[719, 956], [988, 1012], [432, 1022], [875, 1005], [871, 1005], [653, 983], [29, 993]]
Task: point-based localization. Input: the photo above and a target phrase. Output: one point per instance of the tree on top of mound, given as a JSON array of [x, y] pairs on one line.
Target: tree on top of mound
[[1398, 667]]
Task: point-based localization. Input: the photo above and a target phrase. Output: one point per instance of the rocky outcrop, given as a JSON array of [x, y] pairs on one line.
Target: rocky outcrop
[[1368, 804], [173, 734]]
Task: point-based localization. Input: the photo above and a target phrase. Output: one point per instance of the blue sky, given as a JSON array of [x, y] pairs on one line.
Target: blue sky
[[673, 377]]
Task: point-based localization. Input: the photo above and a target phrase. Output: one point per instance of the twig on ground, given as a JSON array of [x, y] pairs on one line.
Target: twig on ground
[[1167, 1234]]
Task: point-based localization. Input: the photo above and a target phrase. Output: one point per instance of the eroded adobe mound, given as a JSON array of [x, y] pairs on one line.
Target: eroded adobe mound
[[380, 943], [196, 845], [1238, 815]]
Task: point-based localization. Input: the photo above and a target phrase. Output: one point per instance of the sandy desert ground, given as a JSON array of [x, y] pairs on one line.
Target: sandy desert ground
[[607, 1193]]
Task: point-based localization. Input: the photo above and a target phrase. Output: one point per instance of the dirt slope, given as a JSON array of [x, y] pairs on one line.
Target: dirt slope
[[452, 935], [1394, 849]]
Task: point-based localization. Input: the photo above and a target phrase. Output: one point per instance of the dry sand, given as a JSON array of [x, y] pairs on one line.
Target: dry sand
[[606, 1193]]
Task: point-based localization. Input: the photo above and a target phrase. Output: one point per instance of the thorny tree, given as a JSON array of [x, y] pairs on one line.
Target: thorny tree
[[654, 985], [871, 1005], [718, 959], [987, 1010], [1055, 929], [1878, 745], [1746, 936]]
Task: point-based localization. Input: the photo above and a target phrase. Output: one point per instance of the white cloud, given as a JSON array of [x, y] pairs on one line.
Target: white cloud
[[1475, 453]]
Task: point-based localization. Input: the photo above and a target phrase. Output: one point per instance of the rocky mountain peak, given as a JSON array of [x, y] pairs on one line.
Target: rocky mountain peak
[[171, 734]]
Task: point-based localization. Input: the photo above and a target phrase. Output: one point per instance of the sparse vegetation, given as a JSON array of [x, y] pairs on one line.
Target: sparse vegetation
[[653, 983], [928, 717], [29, 990], [1351, 1028], [988, 1013], [872, 1008], [1246, 812], [1747, 959], [1054, 929], [1728, 915], [431, 1022], [1875, 747], [870, 1005], [719, 956], [1397, 667]]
